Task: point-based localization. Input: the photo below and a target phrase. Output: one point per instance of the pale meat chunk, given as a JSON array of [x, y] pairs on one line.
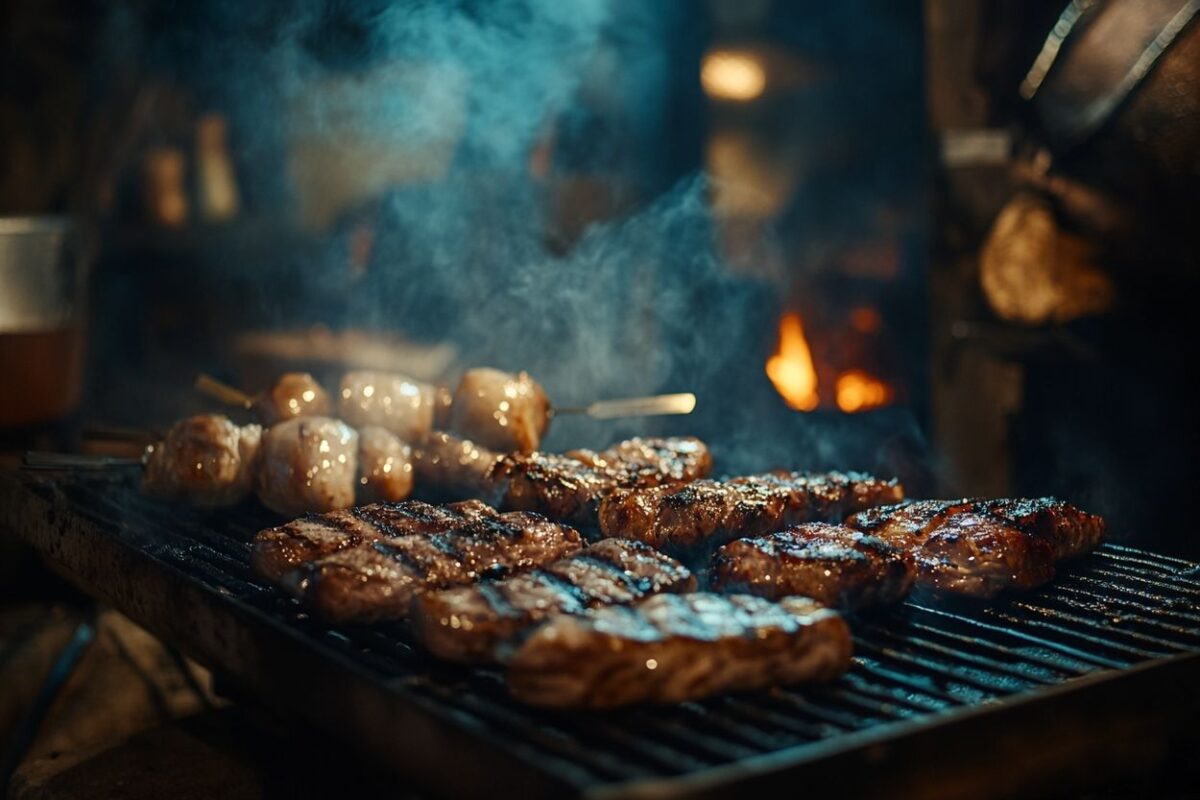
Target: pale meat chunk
[[309, 464]]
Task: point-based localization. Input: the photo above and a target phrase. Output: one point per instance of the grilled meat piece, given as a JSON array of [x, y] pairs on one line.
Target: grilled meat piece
[[205, 460], [982, 547], [1070, 531], [378, 580], [569, 487], [295, 394], [672, 648], [469, 623], [832, 564], [396, 402], [277, 552], [308, 464], [451, 468], [385, 469], [707, 514], [500, 410]]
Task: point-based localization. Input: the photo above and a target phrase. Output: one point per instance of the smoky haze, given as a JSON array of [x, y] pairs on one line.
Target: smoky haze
[[635, 305]]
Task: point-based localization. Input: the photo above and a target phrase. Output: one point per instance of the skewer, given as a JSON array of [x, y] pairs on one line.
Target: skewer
[[653, 406], [40, 460], [219, 390]]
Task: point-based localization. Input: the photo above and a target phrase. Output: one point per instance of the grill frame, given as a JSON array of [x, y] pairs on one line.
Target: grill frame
[[172, 571]]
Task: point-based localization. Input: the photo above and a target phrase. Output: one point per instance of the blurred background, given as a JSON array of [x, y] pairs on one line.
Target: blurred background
[[952, 241]]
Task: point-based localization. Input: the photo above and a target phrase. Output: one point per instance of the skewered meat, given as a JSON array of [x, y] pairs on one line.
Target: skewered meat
[[295, 394], [982, 547], [469, 623], [385, 468], [672, 648], [395, 402], [832, 564], [570, 487], [500, 410], [707, 514], [309, 464], [453, 468], [377, 581], [205, 460], [278, 551]]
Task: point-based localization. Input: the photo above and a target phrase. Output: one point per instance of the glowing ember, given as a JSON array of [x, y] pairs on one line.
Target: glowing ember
[[858, 391], [791, 368]]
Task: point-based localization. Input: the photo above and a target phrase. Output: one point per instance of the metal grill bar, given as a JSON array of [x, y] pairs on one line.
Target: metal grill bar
[[921, 661]]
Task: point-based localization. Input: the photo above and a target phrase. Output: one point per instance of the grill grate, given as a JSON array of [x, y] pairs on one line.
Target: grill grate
[[921, 661]]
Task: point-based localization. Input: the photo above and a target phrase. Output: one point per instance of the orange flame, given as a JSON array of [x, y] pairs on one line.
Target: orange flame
[[791, 368], [858, 391]]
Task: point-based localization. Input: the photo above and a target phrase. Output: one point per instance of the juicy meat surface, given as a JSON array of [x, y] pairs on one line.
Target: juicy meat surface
[[501, 410], [673, 647], [707, 513], [982, 547], [378, 580], [385, 469], [205, 460], [451, 468], [470, 623], [308, 464], [295, 394], [832, 564], [396, 402], [279, 551], [571, 486]]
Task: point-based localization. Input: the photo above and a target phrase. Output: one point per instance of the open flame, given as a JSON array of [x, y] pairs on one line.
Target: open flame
[[791, 369], [859, 391]]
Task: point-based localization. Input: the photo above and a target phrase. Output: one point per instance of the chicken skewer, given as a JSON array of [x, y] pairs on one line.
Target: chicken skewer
[[320, 464], [495, 409]]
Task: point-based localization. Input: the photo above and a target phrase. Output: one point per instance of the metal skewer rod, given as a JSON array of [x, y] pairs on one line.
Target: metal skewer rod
[[36, 459], [219, 390], [653, 406]]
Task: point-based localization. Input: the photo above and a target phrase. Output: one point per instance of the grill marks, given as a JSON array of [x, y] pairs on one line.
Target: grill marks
[[672, 648], [569, 487], [471, 623], [982, 547], [706, 514], [832, 564], [278, 551], [366, 565]]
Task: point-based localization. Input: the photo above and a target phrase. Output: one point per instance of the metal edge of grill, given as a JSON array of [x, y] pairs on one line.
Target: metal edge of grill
[[947, 667]]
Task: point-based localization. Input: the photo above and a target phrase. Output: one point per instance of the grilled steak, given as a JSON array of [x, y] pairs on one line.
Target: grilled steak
[[569, 487], [377, 580], [706, 514], [468, 623], [982, 547], [833, 564], [671, 648], [279, 551]]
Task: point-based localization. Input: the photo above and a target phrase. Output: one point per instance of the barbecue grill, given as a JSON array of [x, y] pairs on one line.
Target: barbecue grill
[[1090, 675]]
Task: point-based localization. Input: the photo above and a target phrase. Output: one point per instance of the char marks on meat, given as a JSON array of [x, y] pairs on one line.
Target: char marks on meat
[[569, 487], [672, 648], [281, 550], [470, 623], [706, 514], [982, 547], [366, 563], [833, 564]]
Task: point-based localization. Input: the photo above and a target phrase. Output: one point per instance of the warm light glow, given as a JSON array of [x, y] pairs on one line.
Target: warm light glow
[[791, 368], [727, 75], [858, 391]]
